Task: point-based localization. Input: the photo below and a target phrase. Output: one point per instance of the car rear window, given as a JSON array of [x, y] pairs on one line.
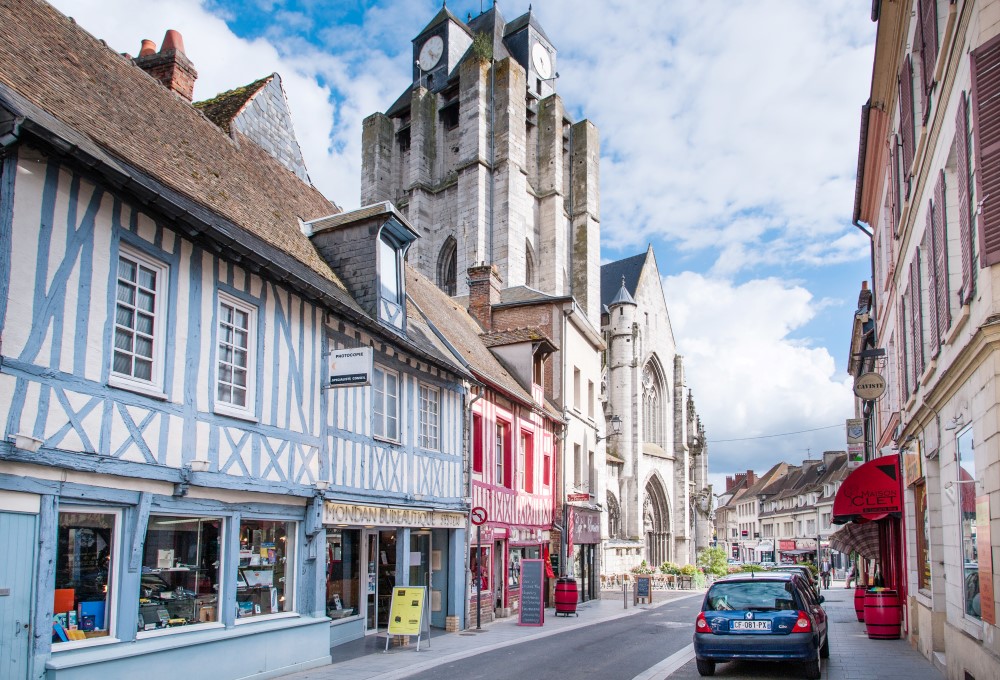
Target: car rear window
[[755, 595]]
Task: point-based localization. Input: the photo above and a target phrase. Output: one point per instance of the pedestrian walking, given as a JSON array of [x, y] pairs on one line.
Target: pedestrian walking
[[824, 572]]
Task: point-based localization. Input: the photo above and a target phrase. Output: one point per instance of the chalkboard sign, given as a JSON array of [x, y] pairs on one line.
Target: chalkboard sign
[[642, 588], [532, 610]]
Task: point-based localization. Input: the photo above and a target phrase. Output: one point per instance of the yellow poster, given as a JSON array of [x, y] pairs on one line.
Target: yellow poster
[[406, 611]]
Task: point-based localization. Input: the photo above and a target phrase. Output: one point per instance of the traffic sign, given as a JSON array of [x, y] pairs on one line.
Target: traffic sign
[[478, 515]]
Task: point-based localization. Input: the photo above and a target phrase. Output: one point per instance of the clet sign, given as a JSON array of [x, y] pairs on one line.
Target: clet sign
[[869, 386]]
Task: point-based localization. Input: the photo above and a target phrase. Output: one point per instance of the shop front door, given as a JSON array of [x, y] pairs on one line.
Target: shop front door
[[440, 561], [380, 568], [18, 538], [499, 576]]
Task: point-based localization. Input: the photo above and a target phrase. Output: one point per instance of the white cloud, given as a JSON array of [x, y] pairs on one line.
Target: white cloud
[[750, 379]]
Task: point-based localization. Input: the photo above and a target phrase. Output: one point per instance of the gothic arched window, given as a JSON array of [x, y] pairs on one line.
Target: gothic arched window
[[447, 266], [651, 409]]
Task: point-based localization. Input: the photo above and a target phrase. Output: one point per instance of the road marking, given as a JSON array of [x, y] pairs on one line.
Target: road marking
[[672, 663]]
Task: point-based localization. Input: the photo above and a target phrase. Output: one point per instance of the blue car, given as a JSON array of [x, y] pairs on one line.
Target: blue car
[[771, 616]]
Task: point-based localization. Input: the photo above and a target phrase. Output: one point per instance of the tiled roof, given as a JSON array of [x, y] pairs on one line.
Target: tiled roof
[[223, 107], [48, 62]]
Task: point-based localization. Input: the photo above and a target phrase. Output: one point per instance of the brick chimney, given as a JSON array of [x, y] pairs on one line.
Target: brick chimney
[[170, 65], [484, 292]]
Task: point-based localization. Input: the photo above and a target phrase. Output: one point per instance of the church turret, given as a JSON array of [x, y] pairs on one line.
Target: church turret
[[622, 380]]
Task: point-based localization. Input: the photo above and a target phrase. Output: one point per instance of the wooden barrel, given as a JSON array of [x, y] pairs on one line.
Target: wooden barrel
[[566, 596], [859, 602], [883, 614]]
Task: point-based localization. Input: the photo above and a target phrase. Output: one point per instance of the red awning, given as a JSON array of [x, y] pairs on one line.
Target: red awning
[[871, 492]]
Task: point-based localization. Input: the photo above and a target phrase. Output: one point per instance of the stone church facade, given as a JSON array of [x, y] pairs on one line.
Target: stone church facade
[[481, 156]]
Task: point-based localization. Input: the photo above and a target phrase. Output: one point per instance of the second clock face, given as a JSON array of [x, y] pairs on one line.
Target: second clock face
[[430, 53], [540, 58]]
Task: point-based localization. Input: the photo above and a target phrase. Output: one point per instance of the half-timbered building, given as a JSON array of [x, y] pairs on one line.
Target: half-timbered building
[[179, 480]]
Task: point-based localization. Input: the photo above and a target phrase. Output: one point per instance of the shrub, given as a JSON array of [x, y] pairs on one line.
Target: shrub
[[714, 561], [670, 568], [689, 570], [751, 568]]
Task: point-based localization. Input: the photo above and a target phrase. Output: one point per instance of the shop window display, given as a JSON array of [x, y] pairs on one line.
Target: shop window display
[[479, 565], [264, 584], [180, 583], [343, 573], [85, 564]]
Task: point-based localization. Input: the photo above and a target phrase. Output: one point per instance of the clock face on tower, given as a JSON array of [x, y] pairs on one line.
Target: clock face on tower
[[430, 53], [541, 61]]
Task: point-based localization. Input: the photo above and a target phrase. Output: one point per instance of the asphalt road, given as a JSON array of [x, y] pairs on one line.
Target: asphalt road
[[613, 650]]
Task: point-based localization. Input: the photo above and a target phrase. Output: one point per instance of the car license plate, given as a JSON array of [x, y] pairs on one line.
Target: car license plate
[[750, 625]]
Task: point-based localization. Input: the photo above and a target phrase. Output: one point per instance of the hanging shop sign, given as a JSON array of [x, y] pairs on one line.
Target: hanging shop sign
[[869, 386], [871, 492], [345, 513], [912, 463], [855, 455], [351, 367], [855, 431], [585, 525]]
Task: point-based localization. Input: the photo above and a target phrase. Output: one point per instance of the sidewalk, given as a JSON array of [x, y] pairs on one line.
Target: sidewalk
[[366, 660], [855, 657]]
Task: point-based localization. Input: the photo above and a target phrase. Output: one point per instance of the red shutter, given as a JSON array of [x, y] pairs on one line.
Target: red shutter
[[927, 40], [906, 124], [894, 183], [508, 463], [906, 363], [986, 125], [477, 443], [917, 320], [964, 196], [942, 289], [930, 245]]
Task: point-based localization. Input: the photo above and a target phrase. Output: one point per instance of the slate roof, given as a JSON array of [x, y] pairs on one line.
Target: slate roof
[[526, 19], [611, 277], [116, 112], [225, 106]]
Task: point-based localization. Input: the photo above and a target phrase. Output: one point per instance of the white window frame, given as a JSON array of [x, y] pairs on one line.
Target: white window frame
[[429, 417], [224, 407], [114, 576], [379, 421], [154, 386]]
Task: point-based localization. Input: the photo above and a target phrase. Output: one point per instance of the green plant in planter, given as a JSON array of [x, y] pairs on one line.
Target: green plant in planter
[[643, 568], [689, 570], [670, 568]]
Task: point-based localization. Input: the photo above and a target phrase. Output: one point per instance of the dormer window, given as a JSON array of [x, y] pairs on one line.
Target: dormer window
[[390, 276]]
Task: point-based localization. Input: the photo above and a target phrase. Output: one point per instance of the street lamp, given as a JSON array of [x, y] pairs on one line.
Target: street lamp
[[616, 428]]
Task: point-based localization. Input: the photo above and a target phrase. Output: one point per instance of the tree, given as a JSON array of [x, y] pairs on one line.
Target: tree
[[714, 561]]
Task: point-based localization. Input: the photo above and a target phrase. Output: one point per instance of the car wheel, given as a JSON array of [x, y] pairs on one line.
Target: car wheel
[[705, 667], [824, 651], [813, 669]]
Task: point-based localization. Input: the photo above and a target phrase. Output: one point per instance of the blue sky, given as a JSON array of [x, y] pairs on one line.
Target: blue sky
[[729, 136]]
